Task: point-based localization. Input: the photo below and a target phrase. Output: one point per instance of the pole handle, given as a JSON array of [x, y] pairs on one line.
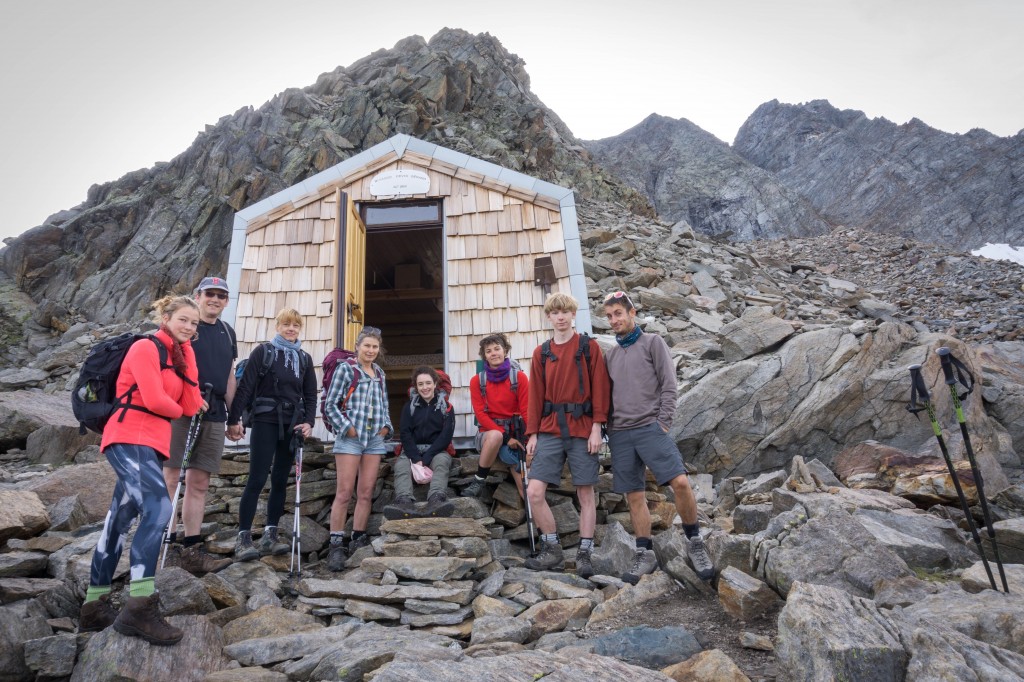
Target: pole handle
[[947, 365]]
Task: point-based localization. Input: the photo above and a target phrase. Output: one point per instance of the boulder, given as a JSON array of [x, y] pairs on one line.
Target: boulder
[[93, 483], [490, 629], [744, 597], [57, 444], [653, 586], [51, 656], [22, 514], [68, 514], [246, 675], [367, 610], [711, 665], [269, 621], [22, 412], [975, 579], [614, 555], [267, 650], [922, 540], [834, 550], [381, 594], [445, 527], [248, 577], [554, 615], [420, 568], [15, 589], [647, 647], [367, 649], [992, 617], [922, 477], [20, 622], [756, 331], [727, 549], [182, 593], [938, 652], [110, 655], [751, 518], [22, 564], [1010, 540], [764, 483], [828, 634], [484, 606]]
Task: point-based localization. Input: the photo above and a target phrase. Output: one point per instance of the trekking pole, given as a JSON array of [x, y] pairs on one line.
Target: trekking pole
[[530, 528], [919, 391], [194, 427], [296, 558], [949, 362]]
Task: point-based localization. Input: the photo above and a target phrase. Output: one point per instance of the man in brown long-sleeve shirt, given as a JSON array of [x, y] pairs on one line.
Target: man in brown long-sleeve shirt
[[644, 394], [569, 400]]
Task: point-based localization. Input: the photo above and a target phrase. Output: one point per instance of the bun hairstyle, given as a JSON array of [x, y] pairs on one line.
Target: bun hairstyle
[[168, 305]]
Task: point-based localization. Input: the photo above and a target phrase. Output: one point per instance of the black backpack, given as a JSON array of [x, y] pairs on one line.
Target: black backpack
[[266, 404], [94, 398], [582, 354]]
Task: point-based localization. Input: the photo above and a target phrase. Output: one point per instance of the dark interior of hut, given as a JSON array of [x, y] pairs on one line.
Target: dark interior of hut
[[405, 299]]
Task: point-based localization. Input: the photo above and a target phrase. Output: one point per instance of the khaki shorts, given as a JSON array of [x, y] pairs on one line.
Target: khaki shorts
[[208, 450]]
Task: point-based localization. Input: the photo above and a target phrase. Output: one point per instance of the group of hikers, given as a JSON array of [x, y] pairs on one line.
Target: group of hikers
[[560, 414]]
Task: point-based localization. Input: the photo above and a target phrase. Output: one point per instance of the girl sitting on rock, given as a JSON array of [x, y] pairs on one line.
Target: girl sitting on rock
[[427, 427]]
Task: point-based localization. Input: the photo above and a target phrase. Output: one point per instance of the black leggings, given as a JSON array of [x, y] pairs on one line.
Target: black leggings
[[264, 447]]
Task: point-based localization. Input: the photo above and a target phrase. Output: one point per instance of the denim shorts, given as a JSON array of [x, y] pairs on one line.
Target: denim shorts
[[351, 446]]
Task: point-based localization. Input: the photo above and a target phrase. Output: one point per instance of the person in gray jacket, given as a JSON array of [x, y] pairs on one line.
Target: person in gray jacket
[[643, 405]]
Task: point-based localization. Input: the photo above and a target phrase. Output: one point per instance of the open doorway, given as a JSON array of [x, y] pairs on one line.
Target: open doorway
[[405, 288]]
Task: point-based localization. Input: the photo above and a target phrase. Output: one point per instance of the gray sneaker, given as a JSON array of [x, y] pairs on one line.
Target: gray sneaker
[[474, 489], [549, 558], [336, 557], [644, 562], [270, 544], [584, 565], [244, 549], [699, 557]]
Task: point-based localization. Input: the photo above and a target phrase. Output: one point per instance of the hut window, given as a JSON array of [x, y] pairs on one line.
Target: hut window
[[401, 214]]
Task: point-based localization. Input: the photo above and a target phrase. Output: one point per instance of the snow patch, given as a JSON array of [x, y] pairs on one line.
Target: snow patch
[[1001, 252]]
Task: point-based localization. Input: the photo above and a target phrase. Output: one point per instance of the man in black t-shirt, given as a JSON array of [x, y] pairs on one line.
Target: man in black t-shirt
[[216, 349]]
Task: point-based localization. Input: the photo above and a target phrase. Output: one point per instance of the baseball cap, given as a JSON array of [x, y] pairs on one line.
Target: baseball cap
[[213, 283]]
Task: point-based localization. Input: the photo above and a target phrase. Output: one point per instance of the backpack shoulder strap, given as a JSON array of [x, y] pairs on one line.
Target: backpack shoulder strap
[[161, 351], [583, 355]]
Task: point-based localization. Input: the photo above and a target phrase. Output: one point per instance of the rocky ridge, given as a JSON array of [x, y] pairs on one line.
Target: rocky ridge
[[908, 180]]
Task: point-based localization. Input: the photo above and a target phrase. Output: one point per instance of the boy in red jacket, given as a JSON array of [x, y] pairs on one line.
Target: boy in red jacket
[[569, 400]]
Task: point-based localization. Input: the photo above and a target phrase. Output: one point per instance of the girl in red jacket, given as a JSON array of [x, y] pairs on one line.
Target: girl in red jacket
[[134, 441], [505, 393]]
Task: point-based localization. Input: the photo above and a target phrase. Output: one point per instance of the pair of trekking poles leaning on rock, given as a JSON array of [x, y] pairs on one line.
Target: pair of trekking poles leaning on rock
[[566, 406]]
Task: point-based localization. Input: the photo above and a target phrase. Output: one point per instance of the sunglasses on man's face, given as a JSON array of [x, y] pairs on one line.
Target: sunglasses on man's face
[[215, 294]]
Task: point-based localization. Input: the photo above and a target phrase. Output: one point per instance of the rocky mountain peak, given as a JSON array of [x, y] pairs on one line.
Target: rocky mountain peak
[[910, 180]]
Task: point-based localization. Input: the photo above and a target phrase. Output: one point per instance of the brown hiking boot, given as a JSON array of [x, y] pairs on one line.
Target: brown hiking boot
[[141, 617], [197, 561], [96, 615]]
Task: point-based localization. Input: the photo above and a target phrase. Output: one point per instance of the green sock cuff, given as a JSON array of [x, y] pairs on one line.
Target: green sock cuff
[[142, 587], [95, 592]]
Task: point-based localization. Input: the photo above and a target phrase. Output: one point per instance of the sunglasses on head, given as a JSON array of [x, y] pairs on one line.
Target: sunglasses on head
[[215, 294], [619, 296], [372, 331]]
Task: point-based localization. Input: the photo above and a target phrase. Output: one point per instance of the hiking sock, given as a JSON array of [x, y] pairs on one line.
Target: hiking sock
[[338, 538], [644, 543], [586, 544], [143, 587], [356, 534], [550, 538], [190, 540], [691, 530], [95, 592], [481, 473]]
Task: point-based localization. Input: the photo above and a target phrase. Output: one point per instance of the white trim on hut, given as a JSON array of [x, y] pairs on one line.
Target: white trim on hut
[[496, 223]]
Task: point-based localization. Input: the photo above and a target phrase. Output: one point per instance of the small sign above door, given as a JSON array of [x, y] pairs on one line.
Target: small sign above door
[[399, 183]]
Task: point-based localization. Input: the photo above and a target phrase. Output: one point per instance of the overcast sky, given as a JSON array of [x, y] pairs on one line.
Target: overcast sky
[[93, 90]]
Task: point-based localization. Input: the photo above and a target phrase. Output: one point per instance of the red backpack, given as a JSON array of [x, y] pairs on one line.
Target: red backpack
[[330, 364], [444, 389]]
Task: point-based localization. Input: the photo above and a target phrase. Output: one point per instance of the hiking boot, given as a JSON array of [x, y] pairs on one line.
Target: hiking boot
[[402, 508], [141, 617], [644, 562], [96, 615], [584, 566], [474, 489], [438, 506], [358, 543], [549, 558], [173, 556], [244, 549], [336, 557], [700, 558], [197, 561], [269, 544]]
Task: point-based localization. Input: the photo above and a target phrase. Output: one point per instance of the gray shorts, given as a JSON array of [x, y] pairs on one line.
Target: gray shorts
[[351, 446], [550, 456], [208, 450], [505, 453], [645, 446]]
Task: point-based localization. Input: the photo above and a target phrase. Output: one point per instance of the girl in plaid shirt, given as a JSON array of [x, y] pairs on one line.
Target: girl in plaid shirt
[[361, 423]]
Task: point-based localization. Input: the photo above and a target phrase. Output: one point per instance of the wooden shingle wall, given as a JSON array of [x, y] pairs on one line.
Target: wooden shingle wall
[[494, 233]]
